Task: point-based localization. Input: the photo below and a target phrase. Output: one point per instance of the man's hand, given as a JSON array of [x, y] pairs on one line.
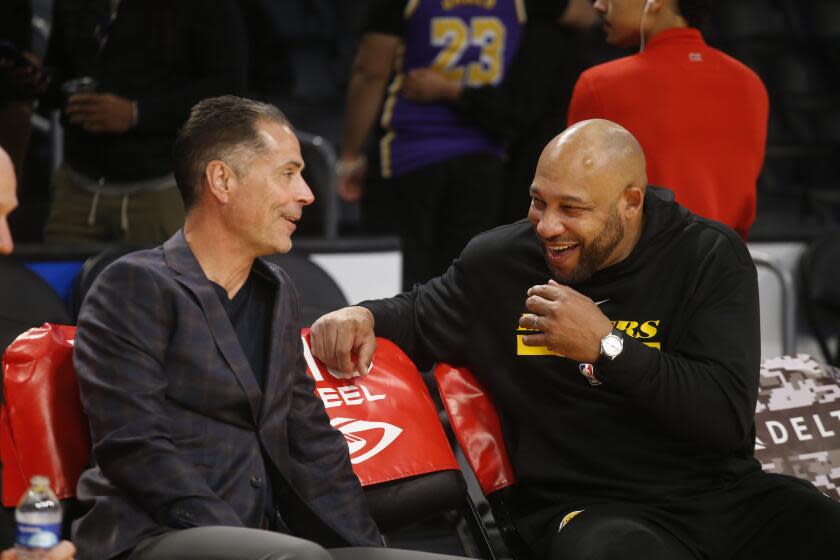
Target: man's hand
[[62, 551], [343, 340], [101, 112], [571, 323], [351, 176], [425, 85]]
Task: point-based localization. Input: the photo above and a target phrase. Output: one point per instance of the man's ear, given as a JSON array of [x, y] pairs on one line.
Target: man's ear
[[219, 178], [654, 6], [633, 198]]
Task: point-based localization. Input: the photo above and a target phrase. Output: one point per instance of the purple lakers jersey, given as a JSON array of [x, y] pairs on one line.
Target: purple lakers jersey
[[468, 41]]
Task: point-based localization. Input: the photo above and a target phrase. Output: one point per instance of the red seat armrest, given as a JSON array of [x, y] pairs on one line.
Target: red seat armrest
[[476, 425]]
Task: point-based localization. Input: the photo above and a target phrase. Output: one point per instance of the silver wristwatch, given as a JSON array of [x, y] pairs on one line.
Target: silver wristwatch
[[612, 345]]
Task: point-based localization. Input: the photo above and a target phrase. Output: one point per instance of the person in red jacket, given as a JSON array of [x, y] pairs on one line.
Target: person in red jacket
[[700, 115]]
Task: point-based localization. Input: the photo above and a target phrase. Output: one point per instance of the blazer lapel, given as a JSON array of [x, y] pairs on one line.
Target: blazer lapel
[[282, 359], [278, 361], [180, 258]]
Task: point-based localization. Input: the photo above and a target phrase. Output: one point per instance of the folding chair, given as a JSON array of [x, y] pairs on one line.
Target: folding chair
[[777, 304], [43, 429], [396, 443]]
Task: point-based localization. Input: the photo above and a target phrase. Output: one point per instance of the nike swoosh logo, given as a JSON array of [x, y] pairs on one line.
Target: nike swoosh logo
[[602, 301]]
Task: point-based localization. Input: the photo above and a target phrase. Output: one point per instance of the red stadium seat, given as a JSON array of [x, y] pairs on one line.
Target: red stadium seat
[[42, 431], [479, 433], [397, 446]]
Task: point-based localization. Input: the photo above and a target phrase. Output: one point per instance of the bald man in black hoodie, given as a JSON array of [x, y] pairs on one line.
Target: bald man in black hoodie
[[618, 336]]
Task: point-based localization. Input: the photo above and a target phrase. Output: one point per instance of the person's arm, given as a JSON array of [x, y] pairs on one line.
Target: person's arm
[[430, 323], [218, 64], [529, 90], [703, 387], [371, 70], [122, 343]]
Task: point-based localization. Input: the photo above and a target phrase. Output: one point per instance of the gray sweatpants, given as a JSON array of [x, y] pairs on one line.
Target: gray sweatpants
[[237, 543]]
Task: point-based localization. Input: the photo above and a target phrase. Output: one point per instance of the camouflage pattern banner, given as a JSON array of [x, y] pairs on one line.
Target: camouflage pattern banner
[[797, 420]]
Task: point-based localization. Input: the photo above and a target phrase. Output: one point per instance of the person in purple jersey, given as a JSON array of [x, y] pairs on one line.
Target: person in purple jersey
[[441, 176]]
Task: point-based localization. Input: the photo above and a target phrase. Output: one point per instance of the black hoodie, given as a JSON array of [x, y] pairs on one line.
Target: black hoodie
[[673, 416]]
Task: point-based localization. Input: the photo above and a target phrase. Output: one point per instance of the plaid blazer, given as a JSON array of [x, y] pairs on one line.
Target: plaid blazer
[[178, 420]]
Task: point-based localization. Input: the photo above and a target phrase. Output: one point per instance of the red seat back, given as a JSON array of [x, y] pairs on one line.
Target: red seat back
[[476, 425], [387, 417], [43, 429]]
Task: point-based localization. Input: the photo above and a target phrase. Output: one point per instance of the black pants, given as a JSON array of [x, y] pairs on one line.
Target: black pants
[[436, 210], [762, 517]]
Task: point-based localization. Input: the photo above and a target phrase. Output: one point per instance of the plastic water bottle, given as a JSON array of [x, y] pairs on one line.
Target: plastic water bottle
[[38, 517]]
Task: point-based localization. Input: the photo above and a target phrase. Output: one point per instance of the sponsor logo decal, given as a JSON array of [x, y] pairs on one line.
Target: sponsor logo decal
[[377, 436]]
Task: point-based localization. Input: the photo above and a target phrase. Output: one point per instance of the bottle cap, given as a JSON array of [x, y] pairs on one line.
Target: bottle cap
[[39, 480]]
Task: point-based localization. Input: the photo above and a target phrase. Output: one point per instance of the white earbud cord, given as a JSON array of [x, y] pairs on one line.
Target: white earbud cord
[[642, 27]]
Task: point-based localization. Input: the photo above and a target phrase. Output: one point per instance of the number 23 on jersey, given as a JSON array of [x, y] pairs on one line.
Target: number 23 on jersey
[[454, 35]]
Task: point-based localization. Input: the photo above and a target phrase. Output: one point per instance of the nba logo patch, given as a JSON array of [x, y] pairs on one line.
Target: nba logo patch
[[589, 373]]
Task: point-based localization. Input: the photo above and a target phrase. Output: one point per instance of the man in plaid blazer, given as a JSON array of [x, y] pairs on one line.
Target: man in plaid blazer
[[205, 426]]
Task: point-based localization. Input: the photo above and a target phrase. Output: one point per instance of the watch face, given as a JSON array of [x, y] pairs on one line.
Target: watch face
[[611, 345]]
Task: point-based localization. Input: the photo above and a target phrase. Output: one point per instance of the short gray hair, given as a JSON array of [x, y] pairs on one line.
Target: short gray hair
[[218, 127]]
